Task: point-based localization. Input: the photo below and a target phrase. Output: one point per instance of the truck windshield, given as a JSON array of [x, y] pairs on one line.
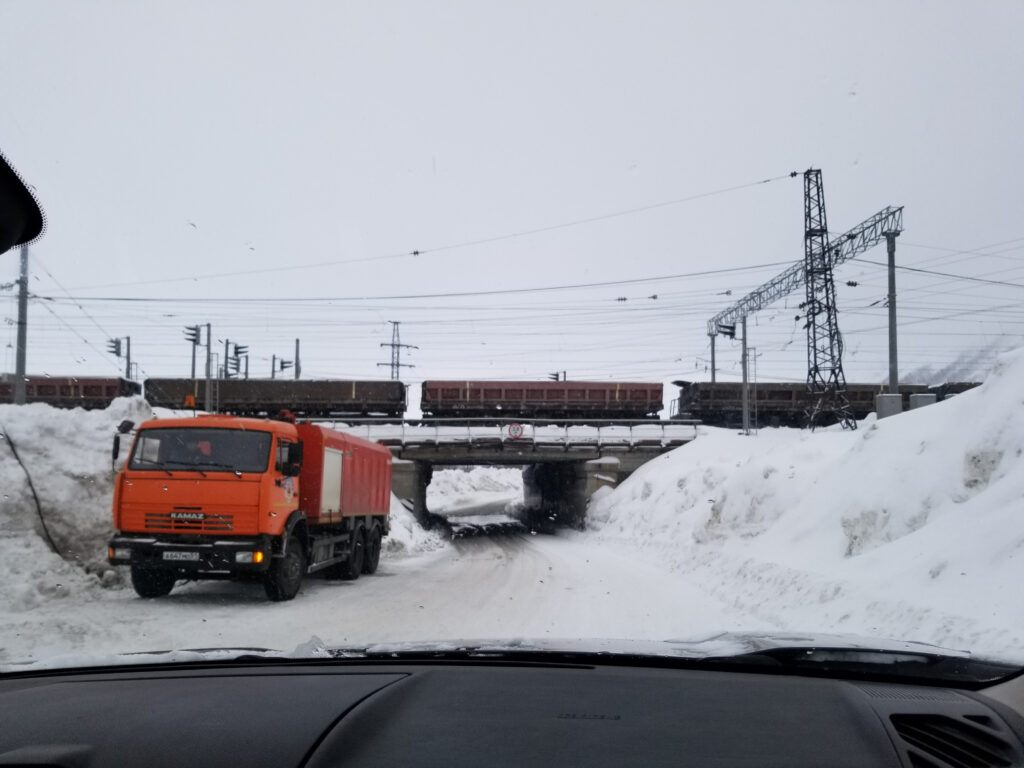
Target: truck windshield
[[214, 450]]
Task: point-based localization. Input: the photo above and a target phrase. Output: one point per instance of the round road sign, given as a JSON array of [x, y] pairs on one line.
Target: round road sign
[[515, 431]]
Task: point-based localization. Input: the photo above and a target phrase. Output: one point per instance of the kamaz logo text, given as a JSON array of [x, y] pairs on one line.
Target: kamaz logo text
[[188, 516]]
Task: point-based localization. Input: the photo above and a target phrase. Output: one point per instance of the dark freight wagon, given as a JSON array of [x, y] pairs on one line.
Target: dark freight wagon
[[538, 399], [782, 404], [268, 397]]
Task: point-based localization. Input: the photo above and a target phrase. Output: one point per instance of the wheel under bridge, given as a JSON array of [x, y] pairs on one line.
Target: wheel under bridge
[[564, 462]]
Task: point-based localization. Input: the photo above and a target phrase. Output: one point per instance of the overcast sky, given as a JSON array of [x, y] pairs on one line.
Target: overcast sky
[[230, 162]]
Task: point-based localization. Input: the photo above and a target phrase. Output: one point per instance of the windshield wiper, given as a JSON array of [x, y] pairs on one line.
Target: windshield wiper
[[868, 662], [920, 667], [229, 467], [184, 466], [156, 464]]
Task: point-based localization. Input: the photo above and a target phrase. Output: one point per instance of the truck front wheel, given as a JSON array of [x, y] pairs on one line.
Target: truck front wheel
[[285, 575], [152, 582]]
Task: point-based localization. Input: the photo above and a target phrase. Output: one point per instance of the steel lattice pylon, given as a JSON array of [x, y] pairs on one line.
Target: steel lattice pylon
[[825, 379]]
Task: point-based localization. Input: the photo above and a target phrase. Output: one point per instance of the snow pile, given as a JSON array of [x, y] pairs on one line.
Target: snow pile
[[67, 455], [407, 535], [911, 527], [454, 489]]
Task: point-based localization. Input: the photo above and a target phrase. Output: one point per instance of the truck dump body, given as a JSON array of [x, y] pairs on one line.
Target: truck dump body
[[342, 476]]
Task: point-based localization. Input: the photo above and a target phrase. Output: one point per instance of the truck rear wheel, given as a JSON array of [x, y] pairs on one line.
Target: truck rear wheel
[[354, 566], [372, 558], [285, 575], [152, 582]]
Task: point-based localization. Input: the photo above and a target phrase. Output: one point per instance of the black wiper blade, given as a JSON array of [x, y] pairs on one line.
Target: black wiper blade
[[199, 466], [150, 462], [871, 663]]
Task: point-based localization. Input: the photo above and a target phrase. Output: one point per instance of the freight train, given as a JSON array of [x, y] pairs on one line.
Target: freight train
[[440, 399], [313, 398], [88, 392], [775, 404]]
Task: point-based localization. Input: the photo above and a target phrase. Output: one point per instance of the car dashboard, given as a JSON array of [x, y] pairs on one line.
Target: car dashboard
[[473, 712]]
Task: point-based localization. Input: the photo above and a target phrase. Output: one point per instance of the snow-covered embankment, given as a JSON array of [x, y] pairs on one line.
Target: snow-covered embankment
[[911, 527]]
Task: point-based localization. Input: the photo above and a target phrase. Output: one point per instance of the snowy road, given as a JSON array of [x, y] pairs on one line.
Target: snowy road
[[506, 586]]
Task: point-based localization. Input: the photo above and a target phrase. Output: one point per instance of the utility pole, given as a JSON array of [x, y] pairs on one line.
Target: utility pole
[[19, 359], [227, 356], [894, 379], [208, 396], [298, 365], [746, 393], [396, 363], [712, 358]]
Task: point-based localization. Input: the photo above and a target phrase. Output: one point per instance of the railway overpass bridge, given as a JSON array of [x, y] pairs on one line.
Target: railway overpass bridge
[[564, 461]]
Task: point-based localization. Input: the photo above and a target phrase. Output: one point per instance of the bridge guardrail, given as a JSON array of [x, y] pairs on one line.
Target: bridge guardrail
[[546, 433]]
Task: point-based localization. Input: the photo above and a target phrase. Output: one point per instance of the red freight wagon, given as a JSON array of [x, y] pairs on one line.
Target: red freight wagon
[[70, 391], [539, 399]]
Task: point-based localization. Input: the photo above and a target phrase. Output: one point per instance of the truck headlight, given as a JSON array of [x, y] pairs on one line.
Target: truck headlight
[[249, 557], [120, 553]]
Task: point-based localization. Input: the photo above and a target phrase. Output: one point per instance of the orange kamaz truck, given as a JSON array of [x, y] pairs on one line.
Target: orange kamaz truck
[[222, 497]]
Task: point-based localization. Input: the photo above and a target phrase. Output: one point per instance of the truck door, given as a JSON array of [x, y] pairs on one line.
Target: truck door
[[284, 494]]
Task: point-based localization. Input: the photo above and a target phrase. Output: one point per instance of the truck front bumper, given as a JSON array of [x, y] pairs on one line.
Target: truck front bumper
[[191, 559]]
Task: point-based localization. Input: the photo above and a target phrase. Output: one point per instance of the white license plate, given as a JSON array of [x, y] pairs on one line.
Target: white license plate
[[181, 555]]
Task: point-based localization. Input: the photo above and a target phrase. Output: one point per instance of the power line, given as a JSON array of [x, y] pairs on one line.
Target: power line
[[946, 274], [80, 336], [458, 245], [405, 297]]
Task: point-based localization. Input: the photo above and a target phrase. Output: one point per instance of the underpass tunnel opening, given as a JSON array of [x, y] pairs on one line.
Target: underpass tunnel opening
[[476, 498], [554, 495], [490, 496]]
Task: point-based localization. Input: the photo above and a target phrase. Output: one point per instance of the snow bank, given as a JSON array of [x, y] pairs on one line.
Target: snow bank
[[911, 527], [407, 535], [67, 455]]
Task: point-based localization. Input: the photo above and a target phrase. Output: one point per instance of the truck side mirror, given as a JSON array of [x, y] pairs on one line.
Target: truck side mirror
[[125, 426], [117, 448]]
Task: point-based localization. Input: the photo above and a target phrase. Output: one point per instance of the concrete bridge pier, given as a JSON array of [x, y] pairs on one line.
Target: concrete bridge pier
[[409, 481]]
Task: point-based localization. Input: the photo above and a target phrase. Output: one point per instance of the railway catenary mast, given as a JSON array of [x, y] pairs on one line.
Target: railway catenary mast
[[825, 379], [850, 244]]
